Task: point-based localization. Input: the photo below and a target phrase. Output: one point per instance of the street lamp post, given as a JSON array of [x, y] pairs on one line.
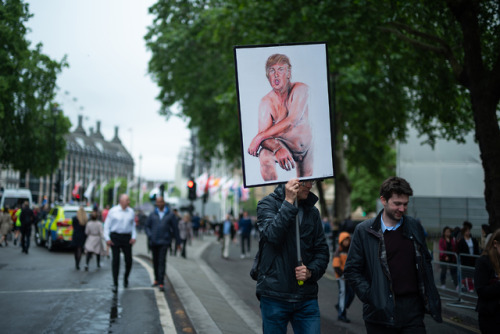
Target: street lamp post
[[139, 182], [55, 112]]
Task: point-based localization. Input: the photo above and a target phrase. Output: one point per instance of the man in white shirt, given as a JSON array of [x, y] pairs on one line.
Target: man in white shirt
[[120, 234]]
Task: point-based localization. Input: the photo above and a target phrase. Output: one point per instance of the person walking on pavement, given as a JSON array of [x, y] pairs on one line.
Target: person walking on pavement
[[5, 225], [288, 291], [161, 227], [79, 236], [120, 235], [447, 251], [27, 218], [17, 224], [245, 227], [346, 293], [185, 232], [390, 267], [487, 281], [227, 226], [467, 249], [95, 236]]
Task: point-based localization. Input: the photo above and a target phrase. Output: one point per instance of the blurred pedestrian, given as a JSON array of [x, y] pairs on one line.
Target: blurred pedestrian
[[27, 219], [79, 236], [245, 228], [17, 224], [447, 257], [185, 233], [346, 293], [227, 226], [467, 249], [390, 267], [196, 221], [120, 234], [288, 289], [161, 227], [485, 236], [177, 222], [5, 225], [487, 281], [94, 242], [327, 228]]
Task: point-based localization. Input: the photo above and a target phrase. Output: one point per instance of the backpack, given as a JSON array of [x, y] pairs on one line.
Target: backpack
[[254, 272]]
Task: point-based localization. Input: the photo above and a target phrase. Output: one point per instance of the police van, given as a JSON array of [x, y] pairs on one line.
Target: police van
[[13, 198]]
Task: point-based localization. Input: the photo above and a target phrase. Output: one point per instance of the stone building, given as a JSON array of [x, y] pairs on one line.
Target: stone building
[[90, 162]]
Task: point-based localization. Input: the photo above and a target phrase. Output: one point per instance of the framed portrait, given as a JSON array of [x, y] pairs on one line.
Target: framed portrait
[[284, 112]]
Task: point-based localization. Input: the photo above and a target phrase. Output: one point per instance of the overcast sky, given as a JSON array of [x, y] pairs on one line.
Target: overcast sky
[[107, 79]]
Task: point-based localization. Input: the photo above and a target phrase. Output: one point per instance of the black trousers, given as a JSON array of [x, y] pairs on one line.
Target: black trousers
[[121, 242], [25, 238], [409, 314], [159, 262], [243, 238]]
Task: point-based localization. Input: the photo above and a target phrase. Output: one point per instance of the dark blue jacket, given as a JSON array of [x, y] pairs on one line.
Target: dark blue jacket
[[245, 226], [161, 232]]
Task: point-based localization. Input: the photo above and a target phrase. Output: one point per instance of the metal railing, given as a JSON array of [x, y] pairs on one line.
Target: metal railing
[[462, 278]]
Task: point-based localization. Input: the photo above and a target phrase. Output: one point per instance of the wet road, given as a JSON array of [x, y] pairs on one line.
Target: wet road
[[43, 293]]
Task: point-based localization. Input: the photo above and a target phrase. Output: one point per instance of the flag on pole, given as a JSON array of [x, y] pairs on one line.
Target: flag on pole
[[88, 193]]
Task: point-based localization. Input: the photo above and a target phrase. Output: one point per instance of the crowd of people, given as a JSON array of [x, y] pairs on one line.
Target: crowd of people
[[389, 250]]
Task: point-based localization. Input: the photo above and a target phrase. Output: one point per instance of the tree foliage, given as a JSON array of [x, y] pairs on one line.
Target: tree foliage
[[28, 138], [431, 64]]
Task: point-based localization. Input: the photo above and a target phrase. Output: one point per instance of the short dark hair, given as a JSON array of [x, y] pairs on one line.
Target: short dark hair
[[395, 185], [467, 225]]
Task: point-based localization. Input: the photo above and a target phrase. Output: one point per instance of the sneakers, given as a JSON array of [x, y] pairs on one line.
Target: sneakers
[[114, 288], [162, 288], [155, 284], [125, 283], [86, 268], [242, 256]]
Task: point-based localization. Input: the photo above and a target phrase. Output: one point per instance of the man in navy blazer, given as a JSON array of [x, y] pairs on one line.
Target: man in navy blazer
[[161, 228]]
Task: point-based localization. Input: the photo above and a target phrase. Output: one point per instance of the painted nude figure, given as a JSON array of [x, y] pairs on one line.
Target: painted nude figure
[[285, 134]]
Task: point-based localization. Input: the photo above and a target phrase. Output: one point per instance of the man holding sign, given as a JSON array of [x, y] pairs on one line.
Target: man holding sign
[[282, 298], [285, 134]]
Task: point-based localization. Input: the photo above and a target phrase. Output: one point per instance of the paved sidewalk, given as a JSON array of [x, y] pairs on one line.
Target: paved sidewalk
[[214, 307], [211, 305]]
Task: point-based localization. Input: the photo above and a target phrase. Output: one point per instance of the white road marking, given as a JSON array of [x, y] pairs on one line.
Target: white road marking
[[167, 323]]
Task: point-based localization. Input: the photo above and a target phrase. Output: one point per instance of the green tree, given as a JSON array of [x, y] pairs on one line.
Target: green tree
[[29, 141], [432, 64]]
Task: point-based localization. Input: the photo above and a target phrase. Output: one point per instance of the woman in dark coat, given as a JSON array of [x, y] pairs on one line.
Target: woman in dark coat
[[79, 235], [487, 281]]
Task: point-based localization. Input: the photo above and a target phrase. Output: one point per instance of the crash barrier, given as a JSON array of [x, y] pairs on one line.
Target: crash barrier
[[455, 278]]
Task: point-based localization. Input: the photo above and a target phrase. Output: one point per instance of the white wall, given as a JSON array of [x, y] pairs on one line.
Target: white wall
[[450, 170]]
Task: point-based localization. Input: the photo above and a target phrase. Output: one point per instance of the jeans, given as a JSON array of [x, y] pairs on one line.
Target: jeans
[[346, 296], [276, 314]]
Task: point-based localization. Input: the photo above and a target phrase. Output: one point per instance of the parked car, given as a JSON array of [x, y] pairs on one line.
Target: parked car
[[57, 229]]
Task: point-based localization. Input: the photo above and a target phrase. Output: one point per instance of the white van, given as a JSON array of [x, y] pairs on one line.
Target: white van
[[15, 197]]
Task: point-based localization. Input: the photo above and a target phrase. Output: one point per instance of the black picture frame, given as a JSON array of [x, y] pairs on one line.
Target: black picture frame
[[309, 71]]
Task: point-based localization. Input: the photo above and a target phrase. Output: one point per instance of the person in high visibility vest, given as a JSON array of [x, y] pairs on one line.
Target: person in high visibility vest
[[17, 225]]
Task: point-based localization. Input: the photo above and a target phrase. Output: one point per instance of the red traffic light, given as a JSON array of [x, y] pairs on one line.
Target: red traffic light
[[190, 184]]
